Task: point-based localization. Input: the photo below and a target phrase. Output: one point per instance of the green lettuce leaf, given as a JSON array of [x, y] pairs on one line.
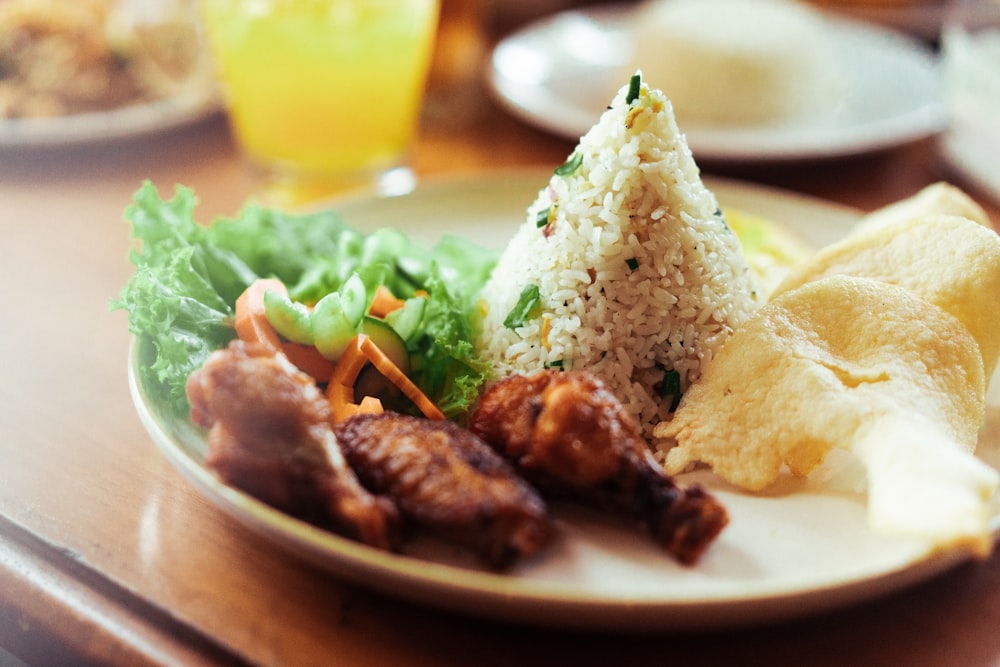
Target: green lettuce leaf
[[181, 298]]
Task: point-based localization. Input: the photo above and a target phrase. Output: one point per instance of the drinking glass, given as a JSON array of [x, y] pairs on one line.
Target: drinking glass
[[323, 95]]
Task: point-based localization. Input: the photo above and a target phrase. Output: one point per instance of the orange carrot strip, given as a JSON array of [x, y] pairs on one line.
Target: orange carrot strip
[[308, 360], [350, 363], [343, 406], [252, 325], [340, 391], [250, 321], [361, 350], [370, 405], [384, 302], [341, 399], [391, 371]]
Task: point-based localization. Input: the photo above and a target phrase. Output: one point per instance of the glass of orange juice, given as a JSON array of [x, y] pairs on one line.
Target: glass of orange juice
[[323, 95]]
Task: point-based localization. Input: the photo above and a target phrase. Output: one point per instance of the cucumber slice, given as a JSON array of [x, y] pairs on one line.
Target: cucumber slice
[[332, 329], [387, 340], [384, 245], [289, 318], [406, 320], [354, 299]]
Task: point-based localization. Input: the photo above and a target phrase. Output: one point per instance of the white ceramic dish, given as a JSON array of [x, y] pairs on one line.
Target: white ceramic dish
[[800, 549], [561, 72], [97, 127]]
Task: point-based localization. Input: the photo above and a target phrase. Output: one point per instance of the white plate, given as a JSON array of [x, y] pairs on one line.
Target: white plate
[[795, 551], [561, 72], [122, 123]]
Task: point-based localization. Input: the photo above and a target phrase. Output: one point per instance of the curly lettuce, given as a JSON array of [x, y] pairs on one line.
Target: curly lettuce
[[181, 298]]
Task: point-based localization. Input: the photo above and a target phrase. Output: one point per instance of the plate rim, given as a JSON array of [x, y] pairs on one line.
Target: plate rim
[[96, 127], [505, 597]]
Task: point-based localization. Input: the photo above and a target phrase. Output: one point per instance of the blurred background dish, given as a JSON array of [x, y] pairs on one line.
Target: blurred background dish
[[560, 72], [92, 70], [102, 126], [970, 44], [718, 73]]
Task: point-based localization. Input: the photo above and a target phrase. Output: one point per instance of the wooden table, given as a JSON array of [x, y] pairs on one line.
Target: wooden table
[[107, 555]]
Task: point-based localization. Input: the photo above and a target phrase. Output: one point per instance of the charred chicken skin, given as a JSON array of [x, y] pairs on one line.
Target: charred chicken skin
[[572, 438], [448, 481], [270, 435]]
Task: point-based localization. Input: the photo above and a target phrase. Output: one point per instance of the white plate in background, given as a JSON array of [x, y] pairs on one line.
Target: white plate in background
[[101, 126], [561, 72]]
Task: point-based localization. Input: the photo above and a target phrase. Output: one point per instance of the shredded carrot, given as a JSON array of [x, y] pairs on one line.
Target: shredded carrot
[[252, 326], [384, 302], [350, 363], [250, 321], [342, 403], [308, 359], [392, 372], [370, 405], [340, 391], [361, 350], [544, 333]]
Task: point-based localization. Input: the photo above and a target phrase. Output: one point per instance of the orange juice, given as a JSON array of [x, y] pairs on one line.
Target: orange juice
[[323, 89]]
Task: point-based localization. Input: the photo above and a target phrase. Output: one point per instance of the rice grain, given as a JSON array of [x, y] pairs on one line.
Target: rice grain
[[638, 274]]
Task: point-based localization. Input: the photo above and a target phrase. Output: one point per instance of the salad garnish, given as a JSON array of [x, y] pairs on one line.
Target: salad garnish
[[634, 87], [525, 309], [316, 283], [572, 164]]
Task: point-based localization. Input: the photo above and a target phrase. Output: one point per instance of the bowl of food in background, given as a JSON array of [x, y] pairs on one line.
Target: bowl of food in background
[[720, 73], [96, 69]]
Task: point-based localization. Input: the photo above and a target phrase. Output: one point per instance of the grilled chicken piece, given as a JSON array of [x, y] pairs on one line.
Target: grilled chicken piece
[[447, 480], [270, 436], [571, 437]]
